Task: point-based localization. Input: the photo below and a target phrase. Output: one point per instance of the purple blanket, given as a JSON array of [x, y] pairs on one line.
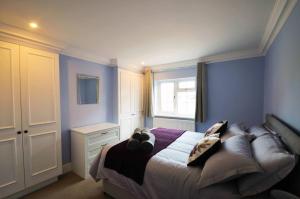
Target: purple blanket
[[132, 164]]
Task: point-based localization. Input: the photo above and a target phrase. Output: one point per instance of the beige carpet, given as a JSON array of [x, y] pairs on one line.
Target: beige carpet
[[70, 186]]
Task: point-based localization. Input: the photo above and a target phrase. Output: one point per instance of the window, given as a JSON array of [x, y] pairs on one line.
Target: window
[[175, 98]]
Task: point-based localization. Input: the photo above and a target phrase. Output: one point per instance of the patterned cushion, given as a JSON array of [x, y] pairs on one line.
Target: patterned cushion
[[219, 127], [204, 149]]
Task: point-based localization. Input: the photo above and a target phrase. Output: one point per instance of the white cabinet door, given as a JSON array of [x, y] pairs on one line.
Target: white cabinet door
[[130, 102], [141, 92], [138, 122], [11, 156], [40, 115], [125, 91], [137, 86], [125, 128]]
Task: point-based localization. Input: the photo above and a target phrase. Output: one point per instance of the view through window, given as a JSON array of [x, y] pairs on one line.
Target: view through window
[[175, 98]]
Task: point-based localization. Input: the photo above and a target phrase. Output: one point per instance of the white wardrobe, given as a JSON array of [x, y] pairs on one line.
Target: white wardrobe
[[30, 135], [131, 113]]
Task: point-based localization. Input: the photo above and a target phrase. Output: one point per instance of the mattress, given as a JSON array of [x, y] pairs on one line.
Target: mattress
[[167, 174]]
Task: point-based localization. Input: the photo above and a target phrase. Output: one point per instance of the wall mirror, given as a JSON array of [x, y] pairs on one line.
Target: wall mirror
[[87, 89]]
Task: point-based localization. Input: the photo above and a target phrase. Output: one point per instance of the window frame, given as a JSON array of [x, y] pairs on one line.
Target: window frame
[[157, 98]]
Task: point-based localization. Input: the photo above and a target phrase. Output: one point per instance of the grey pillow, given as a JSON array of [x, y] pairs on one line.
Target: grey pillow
[[237, 129], [231, 161], [258, 131], [273, 158]]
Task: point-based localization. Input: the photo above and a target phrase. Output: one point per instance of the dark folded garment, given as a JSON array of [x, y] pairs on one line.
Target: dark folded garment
[[144, 137], [132, 164], [137, 134], [148, 145], [133, 144]]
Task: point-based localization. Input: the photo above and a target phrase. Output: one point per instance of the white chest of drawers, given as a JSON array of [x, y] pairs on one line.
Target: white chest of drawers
[[86, 143]]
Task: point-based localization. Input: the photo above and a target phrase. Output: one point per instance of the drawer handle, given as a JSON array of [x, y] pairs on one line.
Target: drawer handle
[[104, 133], [103, 145]]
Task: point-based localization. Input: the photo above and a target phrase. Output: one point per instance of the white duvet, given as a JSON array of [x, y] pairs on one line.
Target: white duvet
[[167, 174]]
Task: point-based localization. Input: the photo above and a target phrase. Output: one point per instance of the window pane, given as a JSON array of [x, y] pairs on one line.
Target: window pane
[[186, 103], [167, 96], [186, 84]]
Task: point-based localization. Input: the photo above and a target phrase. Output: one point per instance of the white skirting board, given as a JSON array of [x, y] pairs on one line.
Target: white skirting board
[[174, 123], [32, 189], [67, 167]]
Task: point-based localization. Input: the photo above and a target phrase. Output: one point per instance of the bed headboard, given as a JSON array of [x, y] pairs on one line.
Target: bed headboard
[[288, 136]]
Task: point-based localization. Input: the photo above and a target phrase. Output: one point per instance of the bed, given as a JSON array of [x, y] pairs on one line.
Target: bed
[[168, 176]]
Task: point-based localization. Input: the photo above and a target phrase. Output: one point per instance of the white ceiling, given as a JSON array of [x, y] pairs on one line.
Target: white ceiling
[[153, 31]]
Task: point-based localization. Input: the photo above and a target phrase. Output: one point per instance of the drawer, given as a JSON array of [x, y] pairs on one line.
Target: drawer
[[94, 150], [103, 135]]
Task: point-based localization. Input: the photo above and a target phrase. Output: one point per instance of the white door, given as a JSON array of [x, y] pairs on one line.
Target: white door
[[131, 102], [125, 128], [137, 114], [11, 156], [125, 95], [40, 115], [137, 121]]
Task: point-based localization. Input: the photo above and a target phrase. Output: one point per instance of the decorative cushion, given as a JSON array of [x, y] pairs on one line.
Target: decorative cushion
[[219, 127], [204, 149], [273, 158], [231, 161], [237, 129]]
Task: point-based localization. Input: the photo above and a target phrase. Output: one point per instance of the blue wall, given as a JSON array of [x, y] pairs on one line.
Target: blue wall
[[282, 73], [74, 115], [235, 91]]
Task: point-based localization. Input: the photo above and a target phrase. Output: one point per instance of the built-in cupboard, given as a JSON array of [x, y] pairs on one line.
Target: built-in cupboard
[[130, 102], [30, 138]]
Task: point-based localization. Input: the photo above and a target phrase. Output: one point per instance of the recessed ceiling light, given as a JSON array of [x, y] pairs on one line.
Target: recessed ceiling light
[[143, 63], [33, 25]]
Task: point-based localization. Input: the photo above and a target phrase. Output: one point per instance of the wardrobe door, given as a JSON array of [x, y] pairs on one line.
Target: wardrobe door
[[137, 87], [137, 114], [40, 115], [11, 156], [125, 104], [126, 127]]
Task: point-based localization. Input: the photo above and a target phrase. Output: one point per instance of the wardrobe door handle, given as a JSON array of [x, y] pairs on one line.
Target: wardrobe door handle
[[25, 131], [19, 132]]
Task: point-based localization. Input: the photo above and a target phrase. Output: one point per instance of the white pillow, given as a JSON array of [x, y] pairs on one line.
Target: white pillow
[[273, 158], [231, 161]]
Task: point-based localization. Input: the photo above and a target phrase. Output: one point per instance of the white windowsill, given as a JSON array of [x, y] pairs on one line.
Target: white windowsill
[[174, 117]]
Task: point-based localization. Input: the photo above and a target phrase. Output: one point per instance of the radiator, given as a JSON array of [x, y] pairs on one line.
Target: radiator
[[174, 123]]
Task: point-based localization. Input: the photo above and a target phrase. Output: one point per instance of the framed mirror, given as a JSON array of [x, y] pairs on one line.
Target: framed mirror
[[87, 89]]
